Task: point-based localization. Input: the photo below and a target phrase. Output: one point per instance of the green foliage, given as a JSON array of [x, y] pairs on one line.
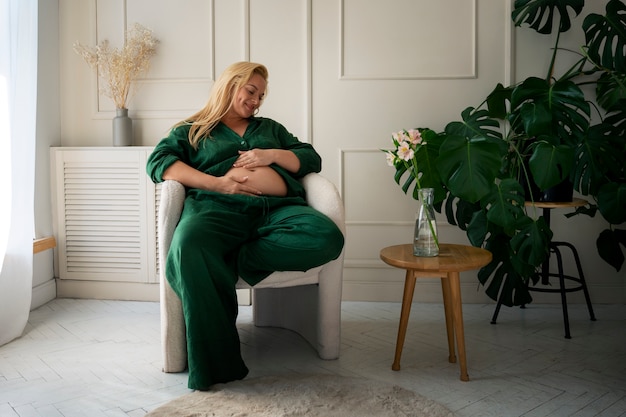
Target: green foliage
[[539, 131], [469, 166], [551, 163], [534, 12], [606, 37], [557, 109]]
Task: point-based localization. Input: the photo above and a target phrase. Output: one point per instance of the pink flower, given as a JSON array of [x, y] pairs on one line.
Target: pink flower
[[405, 151], [415, 137]]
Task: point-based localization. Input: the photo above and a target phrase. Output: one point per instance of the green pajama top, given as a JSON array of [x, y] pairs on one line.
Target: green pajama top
[[216, 155], [250, 236]]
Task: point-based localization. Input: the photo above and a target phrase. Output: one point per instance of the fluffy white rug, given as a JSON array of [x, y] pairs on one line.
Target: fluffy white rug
[[309, 395]]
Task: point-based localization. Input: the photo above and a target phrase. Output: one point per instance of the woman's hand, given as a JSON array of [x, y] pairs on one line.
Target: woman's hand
[[234, 184], [265, 157], [191, 177], [254, 158]]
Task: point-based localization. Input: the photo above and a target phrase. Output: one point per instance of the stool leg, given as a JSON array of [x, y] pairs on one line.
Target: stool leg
[[457, 309], [557, 252], [583, 283], [447, 306], [496, 311], [407, 300]]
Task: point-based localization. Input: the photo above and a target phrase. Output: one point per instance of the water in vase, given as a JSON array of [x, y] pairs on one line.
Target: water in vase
[[425, 237]]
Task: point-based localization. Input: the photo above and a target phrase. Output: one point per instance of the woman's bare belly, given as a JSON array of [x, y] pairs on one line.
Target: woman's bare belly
[[264, 179]]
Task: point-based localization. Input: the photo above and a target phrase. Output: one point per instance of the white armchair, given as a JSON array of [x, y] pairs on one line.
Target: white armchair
[[308, 303]]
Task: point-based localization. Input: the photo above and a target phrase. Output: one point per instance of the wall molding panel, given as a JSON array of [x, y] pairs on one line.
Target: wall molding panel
[[404, 40], [168, 85], [344, 75]]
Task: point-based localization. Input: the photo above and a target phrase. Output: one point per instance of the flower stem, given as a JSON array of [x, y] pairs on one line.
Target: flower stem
[[432, 230], [414, 171]]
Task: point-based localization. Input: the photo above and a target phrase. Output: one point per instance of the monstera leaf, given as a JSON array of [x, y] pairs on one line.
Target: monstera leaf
[[605, 37], [468, 167], [611, 202], [476, 123], [501, 278], [559, 110], [532, 242], [608, 247], [471, 154], [459, 212], [611, 91], [515, 261], [505, 202], [599, 156], [551, 163], [539, 14], [497, 101]]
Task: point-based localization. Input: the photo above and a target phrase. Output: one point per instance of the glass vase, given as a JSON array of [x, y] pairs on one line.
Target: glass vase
[[426, 241], [122, 128]]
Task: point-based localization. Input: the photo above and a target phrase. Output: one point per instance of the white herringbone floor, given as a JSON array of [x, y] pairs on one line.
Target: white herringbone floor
[[98, 358]]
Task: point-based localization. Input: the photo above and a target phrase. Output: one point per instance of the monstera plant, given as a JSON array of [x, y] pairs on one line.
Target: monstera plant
[[542, 131]]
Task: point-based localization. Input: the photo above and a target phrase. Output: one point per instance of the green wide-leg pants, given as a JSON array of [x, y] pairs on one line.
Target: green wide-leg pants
[[221, 238]]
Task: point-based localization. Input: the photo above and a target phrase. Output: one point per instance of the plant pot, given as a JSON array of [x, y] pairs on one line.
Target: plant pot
[[559, 193], [122, 128], [562, 192]]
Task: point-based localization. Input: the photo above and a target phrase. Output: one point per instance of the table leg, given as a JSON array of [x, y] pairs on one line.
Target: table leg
[[407, 299], [447, 305], [457, 309]]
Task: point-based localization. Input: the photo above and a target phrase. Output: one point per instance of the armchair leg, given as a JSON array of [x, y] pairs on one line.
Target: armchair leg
[[297, 309]]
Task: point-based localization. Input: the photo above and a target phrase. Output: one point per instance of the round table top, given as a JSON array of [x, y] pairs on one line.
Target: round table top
[[576, 202], [451, 258]]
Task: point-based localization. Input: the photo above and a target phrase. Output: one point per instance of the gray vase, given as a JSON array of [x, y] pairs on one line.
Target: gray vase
[[122, 128]]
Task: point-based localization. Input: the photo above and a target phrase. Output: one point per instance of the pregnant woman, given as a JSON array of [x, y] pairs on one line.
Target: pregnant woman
[[244, 215]]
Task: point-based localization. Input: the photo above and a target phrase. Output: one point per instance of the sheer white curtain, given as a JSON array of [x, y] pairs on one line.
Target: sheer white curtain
[[18, 103]]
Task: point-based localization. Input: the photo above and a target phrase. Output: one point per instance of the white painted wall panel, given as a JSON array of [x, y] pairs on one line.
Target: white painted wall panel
[[408, 39], [373, 76], [280, 39], [344, 75]]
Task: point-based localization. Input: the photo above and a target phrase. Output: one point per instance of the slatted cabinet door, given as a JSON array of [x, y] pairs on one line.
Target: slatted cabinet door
[[105, 214]]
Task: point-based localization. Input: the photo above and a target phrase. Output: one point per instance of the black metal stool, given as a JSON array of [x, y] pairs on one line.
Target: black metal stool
[[545, 268]]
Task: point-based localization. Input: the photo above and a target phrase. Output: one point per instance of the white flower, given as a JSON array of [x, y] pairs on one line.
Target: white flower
[[391, 159], [414, 136], [405, 152]]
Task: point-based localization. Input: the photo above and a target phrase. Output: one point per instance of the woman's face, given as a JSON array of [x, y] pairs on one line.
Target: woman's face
[[249, 97]]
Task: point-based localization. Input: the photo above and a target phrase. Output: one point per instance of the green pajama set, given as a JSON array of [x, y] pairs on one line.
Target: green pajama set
[[221, 237]]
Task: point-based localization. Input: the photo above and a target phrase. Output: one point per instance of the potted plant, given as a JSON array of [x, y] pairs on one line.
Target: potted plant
[[118, 68], [543, 131]]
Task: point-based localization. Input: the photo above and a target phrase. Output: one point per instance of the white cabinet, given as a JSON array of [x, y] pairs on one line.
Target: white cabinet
[[104, 208]]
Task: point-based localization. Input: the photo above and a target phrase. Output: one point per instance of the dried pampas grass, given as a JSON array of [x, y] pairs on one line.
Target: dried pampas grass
[[119, 68]]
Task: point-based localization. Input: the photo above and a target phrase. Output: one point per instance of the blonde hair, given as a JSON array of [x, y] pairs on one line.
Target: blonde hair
[[221, 99]]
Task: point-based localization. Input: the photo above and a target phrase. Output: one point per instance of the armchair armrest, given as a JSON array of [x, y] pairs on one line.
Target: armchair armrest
[[323, 196]]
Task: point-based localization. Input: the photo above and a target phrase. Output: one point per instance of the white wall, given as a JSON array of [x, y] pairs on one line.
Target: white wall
[[344, 74], [48, 134]]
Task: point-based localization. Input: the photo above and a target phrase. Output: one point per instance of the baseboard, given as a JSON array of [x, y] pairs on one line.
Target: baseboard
[[128, 291], [43, 293], [425, 292], [471, 293], [101, 290]]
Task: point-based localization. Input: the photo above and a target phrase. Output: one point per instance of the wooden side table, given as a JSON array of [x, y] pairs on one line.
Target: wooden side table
[[452, 260], [547, 207]]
